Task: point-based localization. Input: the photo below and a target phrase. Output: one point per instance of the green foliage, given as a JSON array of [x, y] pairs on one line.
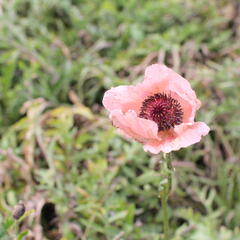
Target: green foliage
[[8, 227], [57, 146]]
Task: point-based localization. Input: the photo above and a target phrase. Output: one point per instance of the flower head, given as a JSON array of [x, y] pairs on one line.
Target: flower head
[[159, 112]]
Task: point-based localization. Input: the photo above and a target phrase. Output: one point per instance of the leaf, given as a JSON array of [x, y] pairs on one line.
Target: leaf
[[22, 235], [148, 177], [9, 222], [118, 216]]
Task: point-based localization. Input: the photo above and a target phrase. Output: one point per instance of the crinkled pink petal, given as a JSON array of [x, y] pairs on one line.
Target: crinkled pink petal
[[124, 98], [132, 126], [186, 135], [156, 78], [159, 78]]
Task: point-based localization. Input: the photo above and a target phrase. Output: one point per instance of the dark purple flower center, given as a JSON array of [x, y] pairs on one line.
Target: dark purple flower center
[[163, 110]]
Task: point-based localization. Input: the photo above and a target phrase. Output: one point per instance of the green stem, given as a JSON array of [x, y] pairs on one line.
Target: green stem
[[165, 218], [165, 193]]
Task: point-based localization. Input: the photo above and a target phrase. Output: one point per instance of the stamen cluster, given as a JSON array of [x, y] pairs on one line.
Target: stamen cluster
[[162, 109]]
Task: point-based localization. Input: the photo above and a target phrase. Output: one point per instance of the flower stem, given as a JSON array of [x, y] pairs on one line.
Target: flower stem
[[164, 194], [165, 218]]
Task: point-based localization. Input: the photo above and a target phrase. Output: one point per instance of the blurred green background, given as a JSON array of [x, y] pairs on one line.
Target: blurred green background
[[59, 153]]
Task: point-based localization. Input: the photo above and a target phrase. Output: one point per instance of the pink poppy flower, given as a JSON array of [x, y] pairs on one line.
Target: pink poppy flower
[[159, 112]]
